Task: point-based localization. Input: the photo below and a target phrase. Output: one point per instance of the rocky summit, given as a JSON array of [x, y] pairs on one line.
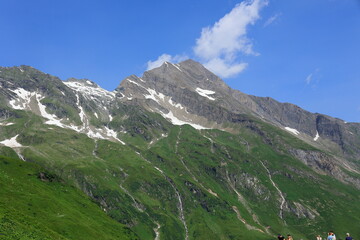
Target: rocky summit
[[173, 154]]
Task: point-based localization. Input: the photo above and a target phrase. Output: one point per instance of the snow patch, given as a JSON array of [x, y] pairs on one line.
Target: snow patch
[[177, 67], [317, 136], [82, 114], [11, 142], [174, 120], [6, 124], [133, 82], [205, 93], [154, 95], [177, 105], [52, 119], [89, 91], [23, 100], [292, 130], [91, 134], [113, 134]]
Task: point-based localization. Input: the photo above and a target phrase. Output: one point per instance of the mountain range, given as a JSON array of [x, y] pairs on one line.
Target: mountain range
[[173, 154]]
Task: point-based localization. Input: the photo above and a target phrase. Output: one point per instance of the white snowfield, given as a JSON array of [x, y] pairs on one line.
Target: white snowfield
[[160, 98], [52, 119], [89, 91], [11, 142], [292, 130], [205, 93], [154, 95], [157, 97], [6, 124], [317, 136], [23, 99], [177, 105], [174, 120], [22, 102]]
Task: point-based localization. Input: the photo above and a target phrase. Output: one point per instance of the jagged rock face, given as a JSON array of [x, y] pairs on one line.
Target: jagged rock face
[[330, 129], [286, 114], [188, 93], [185, 92]]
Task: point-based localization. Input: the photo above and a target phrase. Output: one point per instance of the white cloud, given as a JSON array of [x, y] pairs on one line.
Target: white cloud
[[272, 19], [309, 78], [224, 69], [313, 77], [165, 58], [219, 46]]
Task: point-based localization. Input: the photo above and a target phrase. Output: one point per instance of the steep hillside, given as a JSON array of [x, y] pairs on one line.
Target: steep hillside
[[35, 204], [177, 154]]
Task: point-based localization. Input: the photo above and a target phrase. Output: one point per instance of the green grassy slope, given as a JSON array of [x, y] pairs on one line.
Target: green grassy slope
[[47, 208], [225, 181]]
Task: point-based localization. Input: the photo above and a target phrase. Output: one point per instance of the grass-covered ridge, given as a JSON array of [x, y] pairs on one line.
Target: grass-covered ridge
[[35, 204]]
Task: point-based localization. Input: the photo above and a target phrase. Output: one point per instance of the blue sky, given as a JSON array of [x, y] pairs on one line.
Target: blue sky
[[304, 52]]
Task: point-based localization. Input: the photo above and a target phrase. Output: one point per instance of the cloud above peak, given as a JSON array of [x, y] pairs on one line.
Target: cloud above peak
[[220, 45], [223, 69], [165, 58]]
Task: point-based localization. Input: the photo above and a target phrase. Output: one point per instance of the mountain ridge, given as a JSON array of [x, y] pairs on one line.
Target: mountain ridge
[[173, 156]]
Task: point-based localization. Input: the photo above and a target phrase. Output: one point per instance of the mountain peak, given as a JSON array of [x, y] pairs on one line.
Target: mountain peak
[[83, 81]]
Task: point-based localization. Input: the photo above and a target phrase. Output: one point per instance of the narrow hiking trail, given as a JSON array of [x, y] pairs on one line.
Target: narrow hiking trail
[[279, 191]]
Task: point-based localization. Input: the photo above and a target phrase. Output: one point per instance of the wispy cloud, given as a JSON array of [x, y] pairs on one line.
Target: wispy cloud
[[220, 45], [165, 58], [313, 77], [309, 78], [272, 19]]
